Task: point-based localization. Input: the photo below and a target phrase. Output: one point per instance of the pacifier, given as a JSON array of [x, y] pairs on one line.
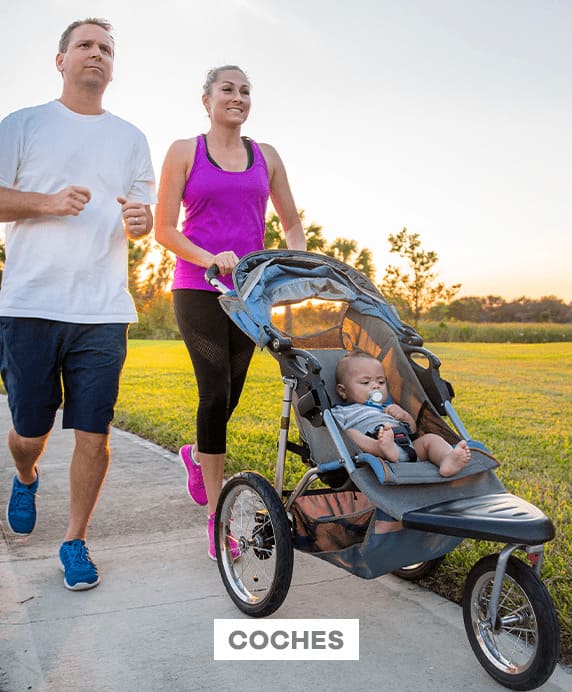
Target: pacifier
[[375, 397]]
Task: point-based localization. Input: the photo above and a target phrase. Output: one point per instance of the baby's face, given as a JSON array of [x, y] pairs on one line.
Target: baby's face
[[363, 375]]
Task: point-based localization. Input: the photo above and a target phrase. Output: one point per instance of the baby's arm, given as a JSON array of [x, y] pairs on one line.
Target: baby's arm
[[401, 415]]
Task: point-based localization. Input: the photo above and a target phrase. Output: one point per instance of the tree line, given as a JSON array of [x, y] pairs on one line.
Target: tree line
[[415, 290], [411, 285]]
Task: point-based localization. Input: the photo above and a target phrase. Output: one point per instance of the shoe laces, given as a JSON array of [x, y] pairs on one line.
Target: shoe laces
[[23, 499], [77, 554], [197, 477]]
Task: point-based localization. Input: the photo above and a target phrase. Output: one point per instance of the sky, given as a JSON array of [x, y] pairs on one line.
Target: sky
[[449, 118]]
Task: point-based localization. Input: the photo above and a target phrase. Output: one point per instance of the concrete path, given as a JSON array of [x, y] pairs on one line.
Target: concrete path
[[149, 625]]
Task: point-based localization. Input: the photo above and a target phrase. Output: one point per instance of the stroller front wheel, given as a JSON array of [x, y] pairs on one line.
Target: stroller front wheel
[[521, 647], [250, 515]]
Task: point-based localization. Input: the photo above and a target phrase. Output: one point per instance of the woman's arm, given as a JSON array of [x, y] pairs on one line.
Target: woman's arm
[[174, 174], [282, 199]]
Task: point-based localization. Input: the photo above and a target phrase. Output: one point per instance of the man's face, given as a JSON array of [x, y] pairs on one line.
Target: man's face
[[88, 61]]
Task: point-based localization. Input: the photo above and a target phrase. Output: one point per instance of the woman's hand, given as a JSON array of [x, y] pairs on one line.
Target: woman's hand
[[225, 261]]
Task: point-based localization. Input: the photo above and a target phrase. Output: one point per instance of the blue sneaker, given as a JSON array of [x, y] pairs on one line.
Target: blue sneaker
[[80, 573], [21, 510]]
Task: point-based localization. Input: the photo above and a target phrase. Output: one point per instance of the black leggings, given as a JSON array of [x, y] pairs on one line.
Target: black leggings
[[220, 353]]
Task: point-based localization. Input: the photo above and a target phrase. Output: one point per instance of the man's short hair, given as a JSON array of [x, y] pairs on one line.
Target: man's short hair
[[65, 37]]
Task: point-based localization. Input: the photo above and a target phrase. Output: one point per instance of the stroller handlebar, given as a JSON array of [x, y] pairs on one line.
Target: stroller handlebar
[[211, 272], [211, 278]]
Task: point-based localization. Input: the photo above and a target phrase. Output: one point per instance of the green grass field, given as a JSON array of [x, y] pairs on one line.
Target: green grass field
[[516, 398]]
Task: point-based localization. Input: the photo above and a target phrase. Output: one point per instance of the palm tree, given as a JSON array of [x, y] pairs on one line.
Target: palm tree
[[346, 250], [274, 237]]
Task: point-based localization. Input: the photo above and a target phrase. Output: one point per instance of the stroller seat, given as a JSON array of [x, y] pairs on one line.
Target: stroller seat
[[323, 449], [319, 442]]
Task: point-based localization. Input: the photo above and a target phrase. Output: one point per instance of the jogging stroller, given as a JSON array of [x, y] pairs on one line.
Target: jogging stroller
[[368, 516]]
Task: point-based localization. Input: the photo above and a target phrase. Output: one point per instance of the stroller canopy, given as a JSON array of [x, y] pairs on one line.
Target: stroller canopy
[[271, 278]]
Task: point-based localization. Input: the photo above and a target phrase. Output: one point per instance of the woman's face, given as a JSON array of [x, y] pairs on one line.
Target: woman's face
[[229, 100]]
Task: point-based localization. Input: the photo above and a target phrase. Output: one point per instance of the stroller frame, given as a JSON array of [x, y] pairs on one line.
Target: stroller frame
[[427, 515], [348, 463]]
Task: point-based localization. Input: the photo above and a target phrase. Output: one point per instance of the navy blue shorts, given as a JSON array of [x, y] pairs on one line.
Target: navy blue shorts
[[44, 361]]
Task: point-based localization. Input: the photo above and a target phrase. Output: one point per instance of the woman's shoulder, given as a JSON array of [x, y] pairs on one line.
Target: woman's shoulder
[[181, 156], [270, 157], [181, 147], [267, 149]]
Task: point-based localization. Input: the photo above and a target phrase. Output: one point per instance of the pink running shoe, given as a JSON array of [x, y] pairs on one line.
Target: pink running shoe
[[195, 483], [234, 548]]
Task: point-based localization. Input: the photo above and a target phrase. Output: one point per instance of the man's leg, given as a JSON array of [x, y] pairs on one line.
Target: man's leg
[[94, 356], [26, 451], [90, 461], [88, 470], [30, 372], [21, 509]]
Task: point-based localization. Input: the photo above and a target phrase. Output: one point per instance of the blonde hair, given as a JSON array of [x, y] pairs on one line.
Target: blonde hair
[[213, 74]]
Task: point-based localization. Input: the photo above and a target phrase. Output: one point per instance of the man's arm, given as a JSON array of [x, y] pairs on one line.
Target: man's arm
[[15, 205]]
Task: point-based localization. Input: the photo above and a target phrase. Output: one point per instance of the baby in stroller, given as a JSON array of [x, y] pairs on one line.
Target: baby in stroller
[[385, 429]]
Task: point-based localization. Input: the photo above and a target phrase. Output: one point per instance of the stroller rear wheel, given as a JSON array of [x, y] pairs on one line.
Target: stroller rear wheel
[[419, 570], [520, 648], [250, 514]]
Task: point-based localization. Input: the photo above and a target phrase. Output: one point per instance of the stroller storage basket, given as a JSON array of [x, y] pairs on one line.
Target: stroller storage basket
[[344, 528]]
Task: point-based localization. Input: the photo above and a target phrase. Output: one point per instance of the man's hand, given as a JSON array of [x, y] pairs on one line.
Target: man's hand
[[135, 218], [70, 201]]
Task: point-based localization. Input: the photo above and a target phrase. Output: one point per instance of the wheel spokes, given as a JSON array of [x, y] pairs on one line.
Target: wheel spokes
[[252, 575], [512, 638]]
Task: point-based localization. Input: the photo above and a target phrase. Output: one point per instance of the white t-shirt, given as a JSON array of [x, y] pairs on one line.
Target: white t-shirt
[[71, 268]]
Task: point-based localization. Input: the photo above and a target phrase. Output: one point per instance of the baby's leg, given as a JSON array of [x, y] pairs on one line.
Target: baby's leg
[[450, 460], [388, 448]]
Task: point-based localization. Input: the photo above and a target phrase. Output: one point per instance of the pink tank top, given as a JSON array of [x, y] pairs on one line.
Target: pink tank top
[[224, 210]]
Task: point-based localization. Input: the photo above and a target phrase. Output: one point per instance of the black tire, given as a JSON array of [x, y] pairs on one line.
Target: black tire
[[522, 648], [251, 514], [419, 569]]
